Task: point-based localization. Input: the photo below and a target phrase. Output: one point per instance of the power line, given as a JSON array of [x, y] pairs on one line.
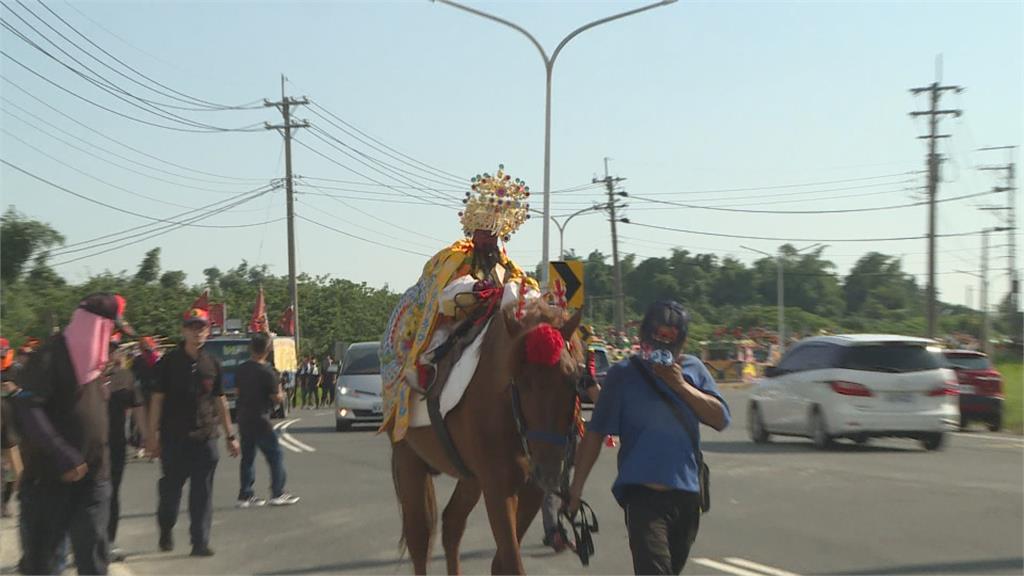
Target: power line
[[92, 200], [367, 240], [213, 105], [797, 185], [741, 237], [381, 220], [837, 211]]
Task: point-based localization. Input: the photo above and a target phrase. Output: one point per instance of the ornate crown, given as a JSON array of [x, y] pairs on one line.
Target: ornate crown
[[496, 203]]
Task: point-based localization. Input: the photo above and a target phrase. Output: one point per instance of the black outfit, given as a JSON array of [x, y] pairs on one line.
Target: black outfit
[[192, 390], [330, 383], [64, 425], [8, 431], [257, 384], [124, 395], [662, 527]]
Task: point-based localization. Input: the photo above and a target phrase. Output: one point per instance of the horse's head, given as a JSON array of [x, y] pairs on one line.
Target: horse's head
[[547, 362]]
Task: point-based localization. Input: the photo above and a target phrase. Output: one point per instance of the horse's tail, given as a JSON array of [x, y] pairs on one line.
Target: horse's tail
[[429, 504]]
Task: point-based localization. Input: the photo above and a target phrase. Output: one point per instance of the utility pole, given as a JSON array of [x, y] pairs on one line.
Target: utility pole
[[986, 319], [934, 113], [609, 182], [1010, 220], [285, 130]]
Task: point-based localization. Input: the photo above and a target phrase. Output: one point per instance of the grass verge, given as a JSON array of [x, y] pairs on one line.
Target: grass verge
[[1013, 386]]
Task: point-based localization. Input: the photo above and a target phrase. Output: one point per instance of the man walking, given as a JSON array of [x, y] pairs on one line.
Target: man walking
[[187, 408], [258, 393], [62, 410], [655, 405], [330, 379]]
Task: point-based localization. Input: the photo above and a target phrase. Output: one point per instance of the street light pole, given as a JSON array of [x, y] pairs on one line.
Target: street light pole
[[779, 289], [562, 225], [549, 67]]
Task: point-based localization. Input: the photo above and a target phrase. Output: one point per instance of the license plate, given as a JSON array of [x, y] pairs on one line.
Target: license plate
[[968, 389], [378, 409], [901, 397]]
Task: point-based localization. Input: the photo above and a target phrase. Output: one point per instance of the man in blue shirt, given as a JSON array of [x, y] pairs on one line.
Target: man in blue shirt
[[658, 484]]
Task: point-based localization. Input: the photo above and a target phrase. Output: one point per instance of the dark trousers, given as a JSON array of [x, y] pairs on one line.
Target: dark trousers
[[117, 462], [267, 442], [8, 491], [184, 459], [52, 511], [662, 527]]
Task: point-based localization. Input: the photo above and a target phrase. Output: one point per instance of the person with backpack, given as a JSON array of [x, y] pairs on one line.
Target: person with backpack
[[655, 403]]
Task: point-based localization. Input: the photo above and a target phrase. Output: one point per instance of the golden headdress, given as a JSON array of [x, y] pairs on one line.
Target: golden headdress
[[496, 203]]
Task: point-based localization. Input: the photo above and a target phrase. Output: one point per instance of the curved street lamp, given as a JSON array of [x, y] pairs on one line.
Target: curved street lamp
[[549, 65]]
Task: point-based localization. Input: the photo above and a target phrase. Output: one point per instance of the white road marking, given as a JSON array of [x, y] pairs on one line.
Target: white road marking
[[285, 440], [1010, 439], [290, 438], [725, 567], [761, 567]]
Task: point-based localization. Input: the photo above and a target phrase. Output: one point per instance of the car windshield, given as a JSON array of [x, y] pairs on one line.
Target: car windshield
[[968, 362], [231, 353], [890, 357], [600, 361], [362, 360]]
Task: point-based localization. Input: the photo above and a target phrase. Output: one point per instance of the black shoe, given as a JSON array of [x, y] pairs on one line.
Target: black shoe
[[166, 541], [117, 555], [203, 551]]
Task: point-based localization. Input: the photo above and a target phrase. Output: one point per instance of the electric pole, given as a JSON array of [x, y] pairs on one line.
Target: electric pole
[[609, 182], [285, 130], [934, 113], [1010, 220], [986, 320]]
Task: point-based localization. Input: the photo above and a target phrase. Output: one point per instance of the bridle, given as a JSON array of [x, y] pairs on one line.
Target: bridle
[[584, 522]]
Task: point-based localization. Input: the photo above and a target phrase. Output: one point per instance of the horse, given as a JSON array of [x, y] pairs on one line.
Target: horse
[[511, 429]]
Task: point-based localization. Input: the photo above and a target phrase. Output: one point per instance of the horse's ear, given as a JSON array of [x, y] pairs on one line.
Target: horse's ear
[[571, 325]]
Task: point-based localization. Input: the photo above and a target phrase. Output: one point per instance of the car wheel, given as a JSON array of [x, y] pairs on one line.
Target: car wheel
[[755, 425], [933, 441], [342, 425], [819, 431], [996, 423]]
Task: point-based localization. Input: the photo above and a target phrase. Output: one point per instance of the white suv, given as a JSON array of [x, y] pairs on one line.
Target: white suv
[[857, 386]]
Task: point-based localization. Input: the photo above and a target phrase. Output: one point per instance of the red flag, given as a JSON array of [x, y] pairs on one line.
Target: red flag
[[258, 322], [217, 314], [286, 325], [203, 302]]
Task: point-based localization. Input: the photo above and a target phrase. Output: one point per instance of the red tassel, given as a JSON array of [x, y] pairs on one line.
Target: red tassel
[[544, 345]]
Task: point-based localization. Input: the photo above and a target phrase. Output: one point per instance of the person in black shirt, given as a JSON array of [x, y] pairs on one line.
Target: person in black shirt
[[62, 411], [187, 407], [258, 393], [125, 396]]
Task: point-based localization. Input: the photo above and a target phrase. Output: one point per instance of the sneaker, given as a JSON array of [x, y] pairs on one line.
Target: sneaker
[[250, 502], [166, 541], [202, 551], [285, 499]]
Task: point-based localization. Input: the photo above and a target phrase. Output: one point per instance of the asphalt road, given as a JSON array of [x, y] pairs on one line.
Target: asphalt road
[[779, 509]]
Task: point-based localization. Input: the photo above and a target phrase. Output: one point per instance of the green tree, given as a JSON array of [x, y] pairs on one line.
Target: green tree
[[173, 280], [149, 269], [23, 239]]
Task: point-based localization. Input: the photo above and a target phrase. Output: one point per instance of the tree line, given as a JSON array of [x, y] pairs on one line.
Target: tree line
[[720, 293]]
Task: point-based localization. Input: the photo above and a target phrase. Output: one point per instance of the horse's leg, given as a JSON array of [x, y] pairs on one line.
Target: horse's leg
[[453, 520], [530, 499], [415, 491], [501, 512]]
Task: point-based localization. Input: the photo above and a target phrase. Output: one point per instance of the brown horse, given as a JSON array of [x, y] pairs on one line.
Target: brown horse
[[510, 469]]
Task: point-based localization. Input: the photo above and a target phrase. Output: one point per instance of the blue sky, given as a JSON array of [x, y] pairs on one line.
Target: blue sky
[[687, 100]]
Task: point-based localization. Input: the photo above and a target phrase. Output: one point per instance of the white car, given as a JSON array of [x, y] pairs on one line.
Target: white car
[[358, 399], [857, 386]]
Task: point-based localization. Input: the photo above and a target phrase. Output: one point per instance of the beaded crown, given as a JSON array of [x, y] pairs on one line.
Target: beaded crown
[[496, 203]]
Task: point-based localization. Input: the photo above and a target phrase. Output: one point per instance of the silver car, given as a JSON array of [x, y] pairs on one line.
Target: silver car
[[359, 387]]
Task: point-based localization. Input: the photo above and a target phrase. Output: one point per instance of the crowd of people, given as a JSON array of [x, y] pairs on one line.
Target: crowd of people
[[75, 405]]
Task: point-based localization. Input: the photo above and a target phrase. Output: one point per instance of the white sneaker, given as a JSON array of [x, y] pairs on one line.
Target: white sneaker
[[285, 499], [250, 502]]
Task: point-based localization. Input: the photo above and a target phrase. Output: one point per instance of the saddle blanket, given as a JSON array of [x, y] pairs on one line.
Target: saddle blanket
[[453, 390]]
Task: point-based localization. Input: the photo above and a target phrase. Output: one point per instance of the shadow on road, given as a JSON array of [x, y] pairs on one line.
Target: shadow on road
[[372, 428], [975, 566], [747, 447], [357, 565]]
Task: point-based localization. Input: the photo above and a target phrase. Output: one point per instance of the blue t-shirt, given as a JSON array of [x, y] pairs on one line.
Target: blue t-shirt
[[655, 447]]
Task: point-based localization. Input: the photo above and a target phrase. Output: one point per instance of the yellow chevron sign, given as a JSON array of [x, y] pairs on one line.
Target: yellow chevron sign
[[569, 275]]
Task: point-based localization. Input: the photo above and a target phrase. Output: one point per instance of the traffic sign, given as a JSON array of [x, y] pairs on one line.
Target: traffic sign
[[570, 273]]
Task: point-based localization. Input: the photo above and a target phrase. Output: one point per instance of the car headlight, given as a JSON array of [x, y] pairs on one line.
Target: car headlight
[[343, 390]]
